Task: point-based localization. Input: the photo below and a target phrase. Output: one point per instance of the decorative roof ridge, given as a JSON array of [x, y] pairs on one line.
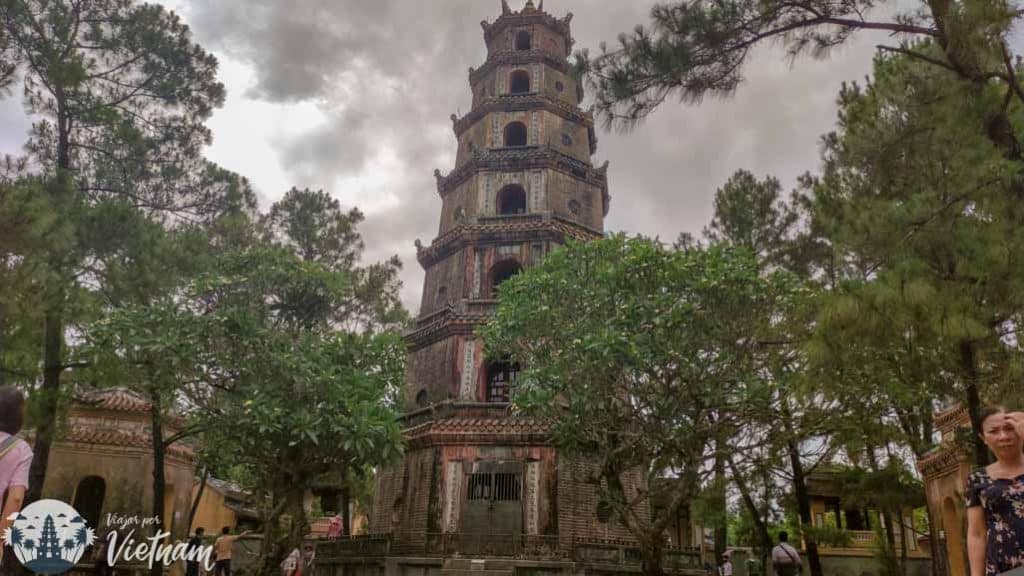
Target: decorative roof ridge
[[536, 152], [528, 13], [499, 57], [512, 224], [531, 101], [943, 460], [950, 417]]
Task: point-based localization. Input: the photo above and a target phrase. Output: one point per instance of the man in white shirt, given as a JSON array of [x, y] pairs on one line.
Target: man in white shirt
[[785, 558]]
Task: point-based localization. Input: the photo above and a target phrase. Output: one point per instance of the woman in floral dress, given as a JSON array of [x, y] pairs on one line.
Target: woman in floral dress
[[995, 497]]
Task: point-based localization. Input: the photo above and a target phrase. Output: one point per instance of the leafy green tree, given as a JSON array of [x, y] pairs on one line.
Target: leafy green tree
[[251, 347], [122, 93], [642, 358]]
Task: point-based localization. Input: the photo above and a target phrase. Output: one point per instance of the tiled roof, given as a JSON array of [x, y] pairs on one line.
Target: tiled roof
[[525, 226], [120, 438], [115, 399], [501, 430]]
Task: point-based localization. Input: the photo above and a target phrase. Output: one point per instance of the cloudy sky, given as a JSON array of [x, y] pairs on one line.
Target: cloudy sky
[[354, 97]]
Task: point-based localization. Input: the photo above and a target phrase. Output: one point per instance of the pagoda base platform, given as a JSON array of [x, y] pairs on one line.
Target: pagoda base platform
[[358, 557]]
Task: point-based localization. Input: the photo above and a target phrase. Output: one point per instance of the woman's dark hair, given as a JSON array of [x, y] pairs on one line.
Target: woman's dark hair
[[989, 411], [12, 402]]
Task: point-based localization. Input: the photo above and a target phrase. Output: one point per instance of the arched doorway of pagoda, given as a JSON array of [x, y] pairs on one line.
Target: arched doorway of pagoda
[[492, 513], [954, 538], [88, 500]]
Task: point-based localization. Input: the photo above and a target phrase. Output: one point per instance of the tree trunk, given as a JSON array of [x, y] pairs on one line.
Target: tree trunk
[[53, 341], [159, 479], [651, 555], [275, 549], [299, 525], [269, 547], [969, 365], [755, 513], [906, 532], [53, 330], [803, 502], [803, 499], [722, 530], [346, 516], [198, 498], [937, 551], [3, 363]]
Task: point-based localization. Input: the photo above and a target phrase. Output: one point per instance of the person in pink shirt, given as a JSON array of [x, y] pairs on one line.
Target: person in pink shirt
[[15, 455]]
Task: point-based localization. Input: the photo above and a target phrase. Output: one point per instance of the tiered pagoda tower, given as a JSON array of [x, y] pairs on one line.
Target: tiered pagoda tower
[[477, 481], [523, 183]]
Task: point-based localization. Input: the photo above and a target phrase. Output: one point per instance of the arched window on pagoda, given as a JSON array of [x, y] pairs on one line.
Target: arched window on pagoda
[[515, 134], [519, 82], [511, 200], [503, 271], [422, 399], [501, 381], [523, 40]]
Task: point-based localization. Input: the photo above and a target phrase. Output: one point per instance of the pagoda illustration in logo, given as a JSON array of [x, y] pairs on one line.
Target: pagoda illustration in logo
[[49, 537]]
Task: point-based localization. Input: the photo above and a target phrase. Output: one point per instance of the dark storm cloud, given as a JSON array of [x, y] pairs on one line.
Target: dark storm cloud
[[388, 73]]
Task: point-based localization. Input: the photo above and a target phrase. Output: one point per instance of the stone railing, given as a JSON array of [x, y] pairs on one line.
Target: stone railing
[[507, 545], [358, 545], [624, 552]]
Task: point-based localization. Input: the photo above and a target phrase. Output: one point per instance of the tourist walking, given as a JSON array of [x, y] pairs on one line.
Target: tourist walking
[[785, 558], [308, 557], [995, 497], [15, 456], [290, 565], [192, 550], [726, 567], [222, 549]]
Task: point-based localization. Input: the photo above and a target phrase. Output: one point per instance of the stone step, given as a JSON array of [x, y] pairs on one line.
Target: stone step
[[462, 572]]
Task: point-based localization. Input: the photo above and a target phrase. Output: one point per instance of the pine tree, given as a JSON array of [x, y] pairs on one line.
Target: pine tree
[[122, 93]]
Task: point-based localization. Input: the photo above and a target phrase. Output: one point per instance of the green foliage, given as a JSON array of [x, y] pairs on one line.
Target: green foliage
[[640, 356], [314, 227], [694, 48], [828, 535], [281, 396], [750, 213], [923, 211]]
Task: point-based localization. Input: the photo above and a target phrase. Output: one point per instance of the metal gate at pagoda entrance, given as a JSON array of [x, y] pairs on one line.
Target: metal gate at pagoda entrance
[[492, 513]]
